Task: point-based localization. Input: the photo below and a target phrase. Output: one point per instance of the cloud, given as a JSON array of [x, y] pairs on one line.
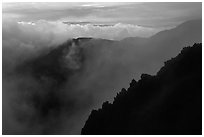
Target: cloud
[[36, 104], [56, 32]]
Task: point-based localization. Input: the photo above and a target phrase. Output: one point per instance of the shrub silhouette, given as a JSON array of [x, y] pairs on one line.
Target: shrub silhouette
[[168, 103]]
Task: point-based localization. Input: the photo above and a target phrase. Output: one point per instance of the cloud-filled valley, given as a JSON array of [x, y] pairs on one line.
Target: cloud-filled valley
[[50, 89]]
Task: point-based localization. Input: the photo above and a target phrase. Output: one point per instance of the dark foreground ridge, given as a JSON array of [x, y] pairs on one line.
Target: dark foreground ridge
[[168, 103]]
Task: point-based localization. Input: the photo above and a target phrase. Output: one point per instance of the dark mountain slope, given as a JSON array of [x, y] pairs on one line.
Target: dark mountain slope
[[168, 103]]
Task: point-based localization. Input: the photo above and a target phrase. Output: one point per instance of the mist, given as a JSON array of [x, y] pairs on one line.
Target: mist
[[52, 76]]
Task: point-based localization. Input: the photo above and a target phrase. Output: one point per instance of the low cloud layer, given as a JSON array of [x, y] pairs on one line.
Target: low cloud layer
[[55, 32]]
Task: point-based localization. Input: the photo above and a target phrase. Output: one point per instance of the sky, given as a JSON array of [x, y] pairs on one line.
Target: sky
[[137, 13], [122, 19]]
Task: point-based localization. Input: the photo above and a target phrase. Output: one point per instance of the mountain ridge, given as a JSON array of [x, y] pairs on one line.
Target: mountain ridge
[[162, 104]]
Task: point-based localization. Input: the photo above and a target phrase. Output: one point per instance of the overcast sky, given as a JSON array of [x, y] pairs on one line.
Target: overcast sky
[[145, 14]]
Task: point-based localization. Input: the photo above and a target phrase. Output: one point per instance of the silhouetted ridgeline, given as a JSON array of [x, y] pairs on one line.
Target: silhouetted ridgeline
[[168, 103]]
